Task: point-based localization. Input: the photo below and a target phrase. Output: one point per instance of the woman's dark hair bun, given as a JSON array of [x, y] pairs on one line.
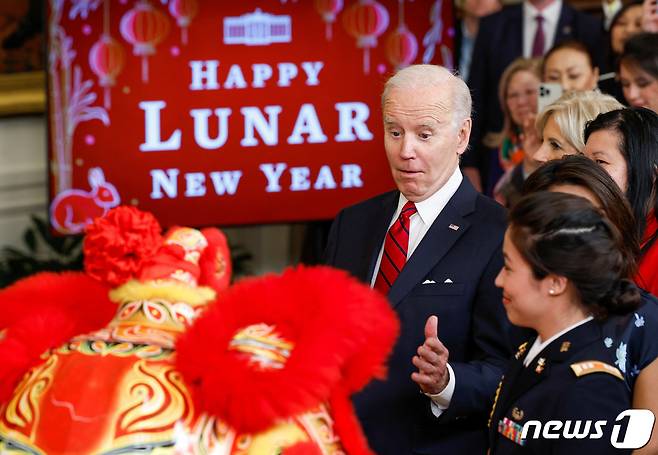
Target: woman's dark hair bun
[[623, 297]]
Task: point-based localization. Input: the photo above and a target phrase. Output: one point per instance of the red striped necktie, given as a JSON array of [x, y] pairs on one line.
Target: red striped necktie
[[395, 250]]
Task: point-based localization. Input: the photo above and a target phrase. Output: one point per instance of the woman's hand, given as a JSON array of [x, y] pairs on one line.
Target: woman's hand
[[530, 140]]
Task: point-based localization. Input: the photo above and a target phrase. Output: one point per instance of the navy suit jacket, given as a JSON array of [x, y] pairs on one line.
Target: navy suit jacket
[[498, 43], [396, 417]]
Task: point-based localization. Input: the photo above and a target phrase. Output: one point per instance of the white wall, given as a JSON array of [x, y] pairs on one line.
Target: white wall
[[23, 176], [23, 190]]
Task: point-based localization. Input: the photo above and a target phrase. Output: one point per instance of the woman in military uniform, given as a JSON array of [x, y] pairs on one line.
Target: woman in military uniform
[[563, 274], [631, 337]]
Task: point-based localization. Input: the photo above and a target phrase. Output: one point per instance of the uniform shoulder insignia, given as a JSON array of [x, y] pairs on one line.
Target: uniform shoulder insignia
[[595, 366]]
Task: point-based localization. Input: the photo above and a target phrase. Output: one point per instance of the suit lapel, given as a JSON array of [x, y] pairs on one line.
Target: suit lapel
[[528, 377], [438, 240], [380, 221], [564, 30], [502, 402], [511, 376]]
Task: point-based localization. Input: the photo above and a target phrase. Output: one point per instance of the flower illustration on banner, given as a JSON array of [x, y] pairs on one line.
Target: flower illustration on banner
[[433, 36], [366, 20], [328, 9], [401, 45], [183, 11], [82, 8], [144, 27]]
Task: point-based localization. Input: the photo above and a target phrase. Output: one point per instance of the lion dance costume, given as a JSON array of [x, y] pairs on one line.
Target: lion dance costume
[[150, 351]]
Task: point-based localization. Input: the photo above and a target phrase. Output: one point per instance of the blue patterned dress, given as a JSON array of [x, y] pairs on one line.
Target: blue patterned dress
[[633, 339]]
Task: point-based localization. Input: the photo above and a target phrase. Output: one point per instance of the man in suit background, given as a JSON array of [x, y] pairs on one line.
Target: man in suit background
[[528, 29], [434, 247], [466, 29]]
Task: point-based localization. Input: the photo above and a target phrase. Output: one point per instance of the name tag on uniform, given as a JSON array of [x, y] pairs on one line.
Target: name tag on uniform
[[511, 430]]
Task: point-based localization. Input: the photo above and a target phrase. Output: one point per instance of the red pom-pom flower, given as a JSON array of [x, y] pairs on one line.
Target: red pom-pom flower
[[116, 244]]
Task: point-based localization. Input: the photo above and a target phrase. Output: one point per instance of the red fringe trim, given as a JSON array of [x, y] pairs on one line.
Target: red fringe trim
[[347, 426], [342, 331]]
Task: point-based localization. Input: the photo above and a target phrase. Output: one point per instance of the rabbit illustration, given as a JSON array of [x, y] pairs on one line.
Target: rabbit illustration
[[73, 209]]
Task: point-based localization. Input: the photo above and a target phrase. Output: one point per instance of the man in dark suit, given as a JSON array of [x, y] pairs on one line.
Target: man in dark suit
[[505, 36], [466, 29], [434, 246]]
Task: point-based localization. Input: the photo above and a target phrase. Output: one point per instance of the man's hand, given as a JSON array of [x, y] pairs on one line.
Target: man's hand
[[432, 361]]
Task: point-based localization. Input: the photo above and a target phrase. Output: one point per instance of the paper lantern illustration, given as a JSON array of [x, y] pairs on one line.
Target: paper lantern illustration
[[366, 20], [106, 59], [328, 9], [144, 27], [401, 45], [184, 11]]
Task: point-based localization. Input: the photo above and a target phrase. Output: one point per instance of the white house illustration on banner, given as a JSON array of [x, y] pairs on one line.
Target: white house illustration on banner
[[257, 29]]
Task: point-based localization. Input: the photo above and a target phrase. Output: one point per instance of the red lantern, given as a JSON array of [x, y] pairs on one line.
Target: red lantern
[[366, 20], [106, 59], [144, 27], [184, 11], [328, 9], [401, 47]]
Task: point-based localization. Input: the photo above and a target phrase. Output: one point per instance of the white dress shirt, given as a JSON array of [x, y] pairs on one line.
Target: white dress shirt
[[610, 10], [426, 213], [551, 15], [420, 222], [539, 345]]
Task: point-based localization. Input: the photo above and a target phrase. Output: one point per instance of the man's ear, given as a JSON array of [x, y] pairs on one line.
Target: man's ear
[[463, 135]]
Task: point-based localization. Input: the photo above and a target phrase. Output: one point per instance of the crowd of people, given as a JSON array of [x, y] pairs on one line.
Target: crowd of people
[[541, 307]]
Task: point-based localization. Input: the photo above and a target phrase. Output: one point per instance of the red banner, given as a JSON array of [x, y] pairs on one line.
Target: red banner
[[212, 112]]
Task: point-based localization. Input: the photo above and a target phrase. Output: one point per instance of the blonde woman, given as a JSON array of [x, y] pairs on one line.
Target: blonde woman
[[561, 126]]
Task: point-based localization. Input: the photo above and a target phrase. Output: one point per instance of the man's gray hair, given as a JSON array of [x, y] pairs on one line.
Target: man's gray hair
[[435, 76]]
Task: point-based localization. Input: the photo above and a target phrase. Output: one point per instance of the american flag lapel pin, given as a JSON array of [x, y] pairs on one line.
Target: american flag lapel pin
[[454, 227]]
